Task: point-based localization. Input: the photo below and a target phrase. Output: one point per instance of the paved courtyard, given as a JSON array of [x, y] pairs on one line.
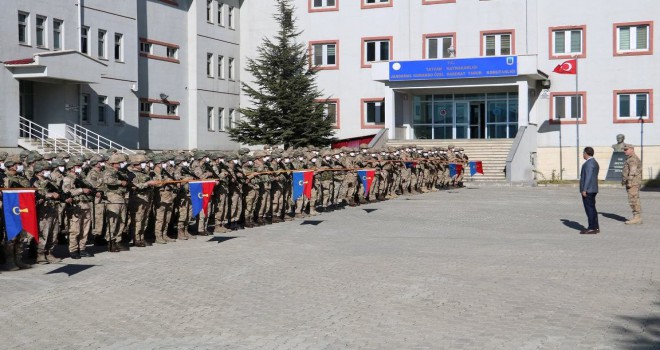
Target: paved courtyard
[[476, 268]]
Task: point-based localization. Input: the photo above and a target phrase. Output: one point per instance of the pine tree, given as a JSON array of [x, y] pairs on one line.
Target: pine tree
[[284, 104]]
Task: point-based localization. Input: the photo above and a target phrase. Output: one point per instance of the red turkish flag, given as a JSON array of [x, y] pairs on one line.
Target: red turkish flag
[[568, 67]]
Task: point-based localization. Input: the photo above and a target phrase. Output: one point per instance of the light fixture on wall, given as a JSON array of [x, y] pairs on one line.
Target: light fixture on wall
[[163, 96], [545, 83]]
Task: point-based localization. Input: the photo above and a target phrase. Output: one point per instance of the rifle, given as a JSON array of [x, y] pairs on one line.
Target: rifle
[[52, 188], [187, 171]]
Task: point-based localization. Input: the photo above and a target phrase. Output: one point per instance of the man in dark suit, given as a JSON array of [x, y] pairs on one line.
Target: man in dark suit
[[589, 189]]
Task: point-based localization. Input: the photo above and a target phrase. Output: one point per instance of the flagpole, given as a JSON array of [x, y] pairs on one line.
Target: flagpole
[[577, 119]]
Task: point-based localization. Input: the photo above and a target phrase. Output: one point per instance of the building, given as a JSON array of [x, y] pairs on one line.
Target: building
[[146, 74], [419, 68]]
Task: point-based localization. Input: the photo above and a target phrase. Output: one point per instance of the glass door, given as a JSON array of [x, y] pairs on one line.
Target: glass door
[[477, 120], [461, 120]]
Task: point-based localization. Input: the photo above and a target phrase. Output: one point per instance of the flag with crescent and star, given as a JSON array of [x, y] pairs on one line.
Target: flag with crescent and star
[[367, 178], [476, 167], [200, 195], [20, 209], [568, 67], [302, 184], [455, 169]]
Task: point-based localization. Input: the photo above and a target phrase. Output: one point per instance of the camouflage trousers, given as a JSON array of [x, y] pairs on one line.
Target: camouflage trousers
[[265, 201], [184, 210], [633, 199], [219, 206], [164, 205], [49, 223], [138, 208], [277, 195], [235, 205], [79, 225], [115, 217], [99, 215]]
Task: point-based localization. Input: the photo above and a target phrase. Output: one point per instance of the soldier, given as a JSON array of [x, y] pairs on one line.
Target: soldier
[[298, 163], [632, 179], [262, 164], [325, 182], [251, 191], [220, 192], [139, 201], [182, 202], [116, 186], [163, 198], [201, 167], [236, 181], [79, 198], [48, 200], [14, 248], [95, 178], [277, 186]]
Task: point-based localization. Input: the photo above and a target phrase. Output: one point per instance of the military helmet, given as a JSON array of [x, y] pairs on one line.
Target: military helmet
[[137, 159], [33, 157], [220, 155], [180, 158], [259, 154], [3, 155], [116, 158], [63, 155], [247, 158], [243, 151], [276, 153], [49, 156]]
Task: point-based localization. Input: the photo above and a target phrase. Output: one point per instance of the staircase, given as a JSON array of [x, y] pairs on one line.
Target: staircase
[[492, 152], [34, 137]]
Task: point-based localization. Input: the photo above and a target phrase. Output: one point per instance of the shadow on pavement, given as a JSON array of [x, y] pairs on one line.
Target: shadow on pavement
[[640, 332], [221, 239], [613, 216], [572, 224]]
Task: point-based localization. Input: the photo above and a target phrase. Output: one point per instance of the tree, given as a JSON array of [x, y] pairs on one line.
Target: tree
[[285, 108]]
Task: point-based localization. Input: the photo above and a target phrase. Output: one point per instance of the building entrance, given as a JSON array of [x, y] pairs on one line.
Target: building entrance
[[465, 116]]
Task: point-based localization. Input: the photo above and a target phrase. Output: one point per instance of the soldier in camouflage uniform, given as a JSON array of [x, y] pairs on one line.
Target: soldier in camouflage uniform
[[163, 200], [48, 200], [236, 182], [251, 190], [182, 201], [632, 179], [95, 178], [262, 164], [79, 210], [116, 187], [277, 186], [220, 192], [140, 198], [14, 248]]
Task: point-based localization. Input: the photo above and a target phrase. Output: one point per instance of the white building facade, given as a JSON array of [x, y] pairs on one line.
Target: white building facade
[[496, 60], [148, 74]]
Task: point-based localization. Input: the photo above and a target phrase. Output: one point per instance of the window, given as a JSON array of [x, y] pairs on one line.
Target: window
[[209, 65], [633, 38], [209, 11], [119, 110], [324, 55], [330, 110], [84, 43], [231, 121], [439, 46], [221, 67], [210, 118], [373, 113], [497, 43], [568, 108], [58, 26], [119, 52], [232, 17], [101, 39], [631, 106], [375, 50], [367, 4], [173, 52], [145, 47], [231, 69], [568, 42], [323, 5], [146, 107], [84, 108], [103, 102], [172, 109], [41, 31], [221, 14], [221, 119], [23, 33]]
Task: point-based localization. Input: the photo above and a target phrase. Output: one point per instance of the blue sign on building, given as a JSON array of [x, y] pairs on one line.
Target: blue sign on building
[[454, 68]]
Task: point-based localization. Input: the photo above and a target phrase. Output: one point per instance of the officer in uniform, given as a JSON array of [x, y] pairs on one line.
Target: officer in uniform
[[79, 210], [632, 179]]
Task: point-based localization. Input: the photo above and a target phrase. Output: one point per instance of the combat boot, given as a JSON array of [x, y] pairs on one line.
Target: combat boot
[[9, 265], [51, 258], [160, 239], [181, 234], [18, 256], [636, 220], [41, 257]]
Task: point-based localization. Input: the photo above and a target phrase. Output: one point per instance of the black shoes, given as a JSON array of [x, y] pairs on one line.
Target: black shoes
[[590, 232], [75, 255], [86, 254]]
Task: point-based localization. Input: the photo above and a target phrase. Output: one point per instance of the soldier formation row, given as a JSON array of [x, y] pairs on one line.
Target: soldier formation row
[[121, 199]]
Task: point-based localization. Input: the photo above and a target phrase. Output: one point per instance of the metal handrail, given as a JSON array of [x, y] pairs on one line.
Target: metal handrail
[[93, 140], [34, 131]]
